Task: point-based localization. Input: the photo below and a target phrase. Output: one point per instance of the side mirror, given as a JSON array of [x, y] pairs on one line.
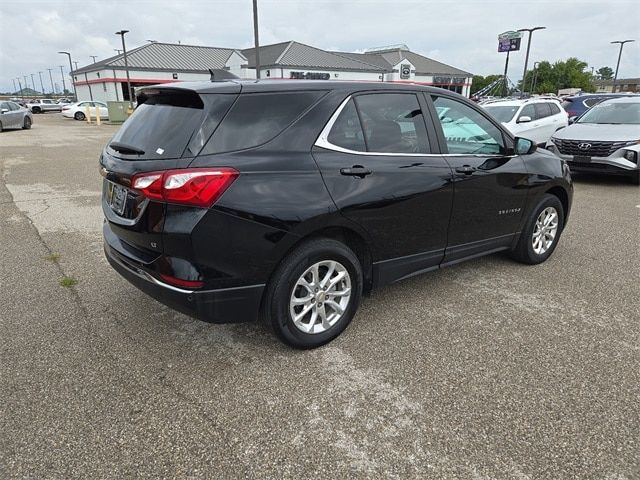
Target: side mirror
[[524, 146], [5, 110], [524, 119], [573, 119]]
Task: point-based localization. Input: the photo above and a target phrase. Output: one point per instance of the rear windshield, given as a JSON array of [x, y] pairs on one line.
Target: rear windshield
[[567, 103], [502, 113], [170, 124], [256, 118]]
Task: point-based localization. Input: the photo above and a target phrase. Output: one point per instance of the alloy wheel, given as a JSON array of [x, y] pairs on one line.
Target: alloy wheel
[[320, 297], [545, 230]]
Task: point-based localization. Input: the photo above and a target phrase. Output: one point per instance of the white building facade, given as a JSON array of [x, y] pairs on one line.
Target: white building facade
[[158, 63]]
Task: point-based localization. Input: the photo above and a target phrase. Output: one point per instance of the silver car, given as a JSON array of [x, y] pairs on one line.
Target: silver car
[[14, 116], [604, 139]]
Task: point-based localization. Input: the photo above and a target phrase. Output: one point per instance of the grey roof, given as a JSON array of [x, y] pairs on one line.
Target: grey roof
[[619, 81], [295, 54], [167, 56], [391, 57]]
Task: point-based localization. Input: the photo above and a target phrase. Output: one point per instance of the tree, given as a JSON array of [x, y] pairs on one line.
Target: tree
[[549, 78], [605, 73], [479, 82]]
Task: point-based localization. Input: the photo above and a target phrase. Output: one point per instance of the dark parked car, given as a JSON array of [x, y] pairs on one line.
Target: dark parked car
[[287, 200], [577, 105]]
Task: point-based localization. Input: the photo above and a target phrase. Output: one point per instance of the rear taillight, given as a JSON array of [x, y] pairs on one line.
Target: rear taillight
[[179, 282], [199, 187]]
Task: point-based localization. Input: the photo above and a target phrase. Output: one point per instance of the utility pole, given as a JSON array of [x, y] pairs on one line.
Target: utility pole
[[256, 41], [51, 79], [21, 91], [126, 66], [14, 84], [64, 85], [94, 58], [534, 77], [526, 58], [615, 77], [75, 96], [76, 64], [120, 51], [33, 84], [41, 84], [26, 84]]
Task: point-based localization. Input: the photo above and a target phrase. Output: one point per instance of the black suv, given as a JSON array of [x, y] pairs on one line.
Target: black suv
[[287, 200]]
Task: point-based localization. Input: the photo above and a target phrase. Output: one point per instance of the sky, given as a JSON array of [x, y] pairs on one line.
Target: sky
[[461, 33]]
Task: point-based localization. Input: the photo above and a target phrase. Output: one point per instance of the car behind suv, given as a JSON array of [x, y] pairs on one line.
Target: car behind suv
[[605, 139], [578, 104], [534, 118], [286, 200]]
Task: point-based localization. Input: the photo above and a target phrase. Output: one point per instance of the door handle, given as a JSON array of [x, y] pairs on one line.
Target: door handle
[[356, 171], [466, 169]]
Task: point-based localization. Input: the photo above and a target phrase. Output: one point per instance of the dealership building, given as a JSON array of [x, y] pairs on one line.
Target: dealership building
[[157, 63]]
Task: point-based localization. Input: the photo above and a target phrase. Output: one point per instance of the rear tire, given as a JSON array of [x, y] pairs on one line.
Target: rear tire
[[79, 116], [27, 123], [542, 232], [329, 275], [36, 110]]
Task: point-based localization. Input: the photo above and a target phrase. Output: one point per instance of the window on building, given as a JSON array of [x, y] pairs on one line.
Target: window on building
[[466, 130]]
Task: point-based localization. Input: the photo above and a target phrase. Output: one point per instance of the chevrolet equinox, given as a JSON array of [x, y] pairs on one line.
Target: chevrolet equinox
[[286, 201]]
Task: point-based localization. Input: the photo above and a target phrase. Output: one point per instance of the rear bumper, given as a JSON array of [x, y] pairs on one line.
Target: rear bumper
[[228, 305]]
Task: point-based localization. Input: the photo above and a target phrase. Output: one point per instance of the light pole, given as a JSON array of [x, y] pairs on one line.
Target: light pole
[[51, 79], [526, 58], [64, 85], [75, 64], [21, 91], [14, 84], [26, 84], [117, 50], [33, 83], [126, 65], [534, 77], [41, 84], [255, 38], [615, 76], [94, 58], [75, 96]]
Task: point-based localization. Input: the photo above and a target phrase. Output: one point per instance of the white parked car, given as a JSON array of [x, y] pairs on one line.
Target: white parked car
[[533, 118], [604, 139], [78, 110]]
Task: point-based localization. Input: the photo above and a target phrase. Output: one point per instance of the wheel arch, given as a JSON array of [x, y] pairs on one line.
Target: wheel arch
[[563, 196]]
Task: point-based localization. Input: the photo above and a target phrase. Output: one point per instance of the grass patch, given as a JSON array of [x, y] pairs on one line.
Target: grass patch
[[68, 282], [54, 257]]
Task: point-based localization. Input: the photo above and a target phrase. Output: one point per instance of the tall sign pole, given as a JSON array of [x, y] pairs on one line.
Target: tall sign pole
[[256, 41], [526, 58], [507, 42]]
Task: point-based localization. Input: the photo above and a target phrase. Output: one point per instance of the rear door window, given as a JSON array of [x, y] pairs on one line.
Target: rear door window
[[590, 102], [392, 123], [257, 118], [346, 132], [542, 110], [555, 109]]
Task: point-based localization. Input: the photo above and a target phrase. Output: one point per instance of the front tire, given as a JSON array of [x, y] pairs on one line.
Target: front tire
[[635, 177], [26, 124], [79, 116], [542, 232], [313, 294]]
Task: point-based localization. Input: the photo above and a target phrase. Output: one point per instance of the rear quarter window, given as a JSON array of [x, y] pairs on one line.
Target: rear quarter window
[[256, 118]]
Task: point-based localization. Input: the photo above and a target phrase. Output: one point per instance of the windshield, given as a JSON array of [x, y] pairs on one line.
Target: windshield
[[613, 113], [502, 113]]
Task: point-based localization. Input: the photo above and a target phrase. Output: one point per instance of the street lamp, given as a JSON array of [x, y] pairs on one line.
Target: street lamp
[[33, 83], [534, 77], [64, 85], [526, 58], [126, 64], [94, 58], [75, 96], [41, 84], [615, 77], [51, 78]]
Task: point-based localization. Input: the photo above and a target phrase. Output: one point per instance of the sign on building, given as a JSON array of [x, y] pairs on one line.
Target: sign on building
[[310, 76], [405, 71], [509, 41]]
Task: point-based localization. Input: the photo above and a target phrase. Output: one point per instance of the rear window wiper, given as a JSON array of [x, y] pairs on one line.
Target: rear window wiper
[[126, 148]]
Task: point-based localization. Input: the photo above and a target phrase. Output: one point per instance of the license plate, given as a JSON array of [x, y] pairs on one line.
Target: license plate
[[581, 159], [116, 197]]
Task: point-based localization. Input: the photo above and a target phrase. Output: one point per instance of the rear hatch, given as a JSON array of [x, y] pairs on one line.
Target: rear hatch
[[166, 131]]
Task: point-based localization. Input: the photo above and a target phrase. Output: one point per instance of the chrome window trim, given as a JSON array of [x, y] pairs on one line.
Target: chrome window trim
[[323, 142]]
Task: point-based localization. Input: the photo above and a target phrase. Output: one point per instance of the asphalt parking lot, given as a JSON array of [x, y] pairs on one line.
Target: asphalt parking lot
[[489, 369]]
